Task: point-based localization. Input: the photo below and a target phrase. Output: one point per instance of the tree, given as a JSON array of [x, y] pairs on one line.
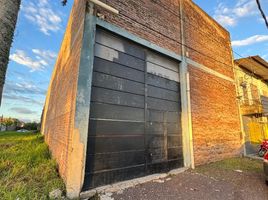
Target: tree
[[32, 126], [7, 122], [9, 10], [8, 19]]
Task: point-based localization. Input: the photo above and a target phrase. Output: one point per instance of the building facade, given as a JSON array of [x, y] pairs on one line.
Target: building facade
[[140, 87], [252, 92]]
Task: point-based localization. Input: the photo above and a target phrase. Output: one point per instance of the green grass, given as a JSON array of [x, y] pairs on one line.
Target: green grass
[[26, 169], [244, 164]]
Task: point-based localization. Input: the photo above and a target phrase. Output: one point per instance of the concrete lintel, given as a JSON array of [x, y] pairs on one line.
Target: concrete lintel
[[120, 186], [186, 117]]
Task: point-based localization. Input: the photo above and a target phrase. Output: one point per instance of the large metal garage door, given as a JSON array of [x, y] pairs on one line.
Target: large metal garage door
[[135, 125]]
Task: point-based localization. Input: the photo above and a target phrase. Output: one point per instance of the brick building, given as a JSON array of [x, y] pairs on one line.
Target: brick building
[[146, 90]]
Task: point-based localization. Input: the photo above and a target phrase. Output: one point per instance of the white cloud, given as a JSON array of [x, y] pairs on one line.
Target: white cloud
[[228, 16], [42, 58], [251, 40], [225, 20], [22, 58], [22, 110], [265, 57], [23, 87], [22, 99], [41, 14], [45, 54]]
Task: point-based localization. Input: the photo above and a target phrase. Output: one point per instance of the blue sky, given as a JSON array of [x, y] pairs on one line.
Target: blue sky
[[40, 29]]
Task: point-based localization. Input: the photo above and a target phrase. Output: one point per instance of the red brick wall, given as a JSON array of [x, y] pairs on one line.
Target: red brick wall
[[215, 122], [215, 118], [207, 42], [58, 120]]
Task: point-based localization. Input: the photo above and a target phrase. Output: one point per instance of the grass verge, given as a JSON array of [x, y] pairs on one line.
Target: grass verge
[[26, 169], [244, 164]]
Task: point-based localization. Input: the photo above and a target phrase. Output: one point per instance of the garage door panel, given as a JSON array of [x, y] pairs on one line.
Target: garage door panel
[[115, 83], [160, 127], [161, 116], [154, 127], [120, 44], [115, 144], [154, 141], [155, 115], [109, 161], [118, 57], [162, 83], [116, 175], [174, 128], [164, 166], [103, 127], [105, 111], [174, 117], [174, 141], [175, 153], [160, 104], [116, 97], [115, 69], [157, 155], [163, 61], [162, 72], [163, 94]]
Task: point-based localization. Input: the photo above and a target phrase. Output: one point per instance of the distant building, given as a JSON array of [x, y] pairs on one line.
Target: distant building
[[252, 90], [143, 91], [9, 124]]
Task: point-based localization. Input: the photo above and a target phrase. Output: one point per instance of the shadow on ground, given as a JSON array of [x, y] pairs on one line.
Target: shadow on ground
[[234, 179]]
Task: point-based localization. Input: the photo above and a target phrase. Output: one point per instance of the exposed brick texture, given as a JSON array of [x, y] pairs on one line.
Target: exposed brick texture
[[58, 119], [207, 42], [215, 122]]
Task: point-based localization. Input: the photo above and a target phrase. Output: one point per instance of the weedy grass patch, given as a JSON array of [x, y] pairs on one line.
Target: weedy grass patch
[[26, 168], [231, 164]]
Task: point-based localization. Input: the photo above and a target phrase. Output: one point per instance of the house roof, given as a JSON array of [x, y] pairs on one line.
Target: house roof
[[254, 64]]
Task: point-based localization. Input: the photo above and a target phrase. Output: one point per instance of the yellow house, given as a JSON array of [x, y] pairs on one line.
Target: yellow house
[[251, 75]]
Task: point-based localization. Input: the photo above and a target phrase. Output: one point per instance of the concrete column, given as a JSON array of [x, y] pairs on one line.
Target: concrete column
[[185, 101], [77, 158]]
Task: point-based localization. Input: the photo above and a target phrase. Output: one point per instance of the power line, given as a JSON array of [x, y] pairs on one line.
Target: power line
[[189, 47], [262, 12], [189, 23], [200, 30], [223, 63]]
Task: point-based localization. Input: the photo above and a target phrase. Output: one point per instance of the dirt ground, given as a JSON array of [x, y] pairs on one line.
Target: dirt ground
[[233, 179]]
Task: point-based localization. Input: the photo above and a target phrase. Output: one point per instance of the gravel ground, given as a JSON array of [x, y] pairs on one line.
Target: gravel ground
[[209, 184]]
